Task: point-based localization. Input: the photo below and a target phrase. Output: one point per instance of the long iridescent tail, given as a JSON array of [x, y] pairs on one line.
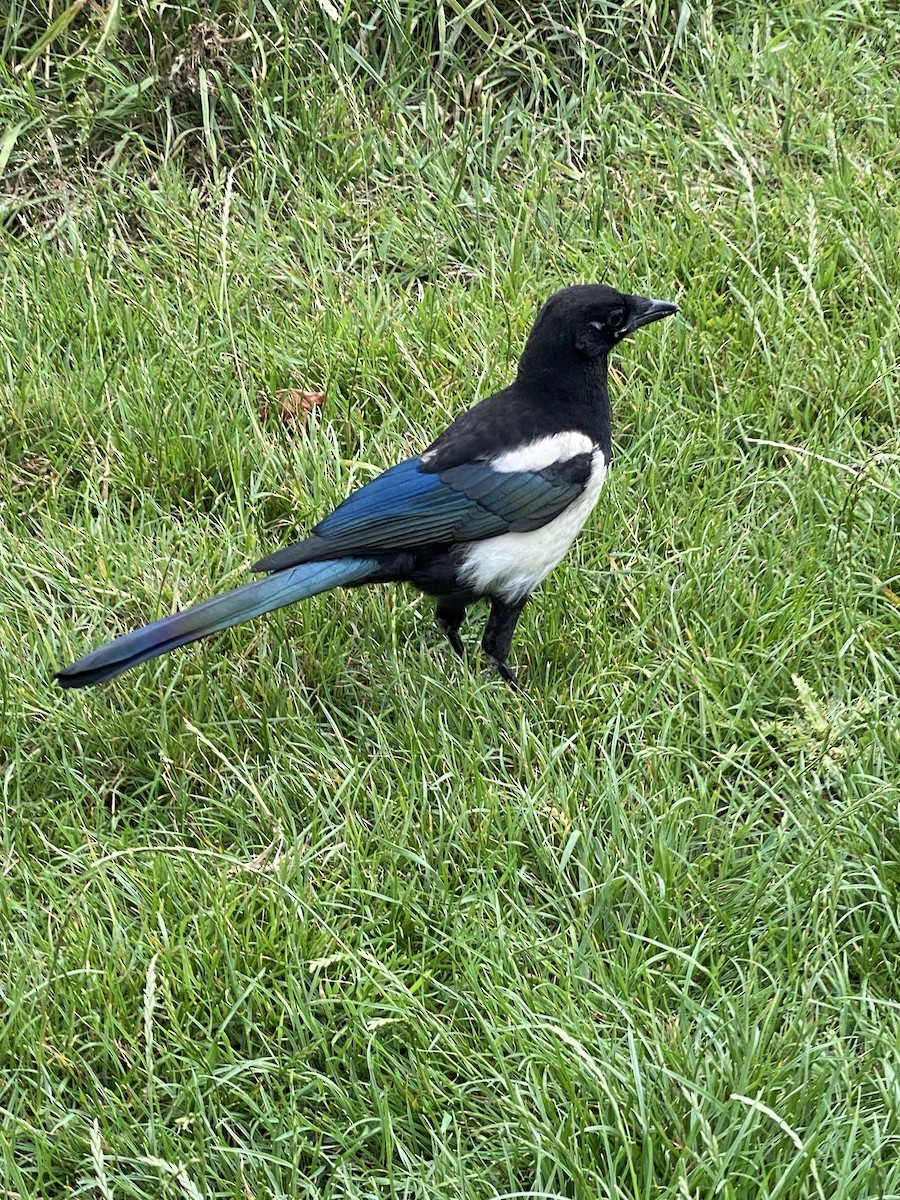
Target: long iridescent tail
[[221, 612]]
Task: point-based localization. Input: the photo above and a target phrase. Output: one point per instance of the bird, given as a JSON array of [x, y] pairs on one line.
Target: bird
[[485, 512]]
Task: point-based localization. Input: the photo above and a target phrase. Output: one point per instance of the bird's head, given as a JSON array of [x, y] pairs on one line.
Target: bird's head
[[585, 322]]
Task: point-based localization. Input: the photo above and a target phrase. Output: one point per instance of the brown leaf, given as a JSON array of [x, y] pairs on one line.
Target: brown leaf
[[292, 405], [887, 593]]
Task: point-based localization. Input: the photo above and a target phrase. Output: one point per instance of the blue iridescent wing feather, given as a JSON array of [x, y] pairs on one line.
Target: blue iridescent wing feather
[[408, 506]]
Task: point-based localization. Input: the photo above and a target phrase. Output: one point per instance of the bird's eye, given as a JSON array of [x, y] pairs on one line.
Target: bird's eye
[[613, 320]]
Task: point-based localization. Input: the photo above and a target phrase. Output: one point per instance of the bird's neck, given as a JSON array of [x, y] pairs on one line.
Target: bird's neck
[[574, 393]]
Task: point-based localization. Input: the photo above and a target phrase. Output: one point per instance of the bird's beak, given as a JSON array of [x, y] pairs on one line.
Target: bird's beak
[[645, 311]]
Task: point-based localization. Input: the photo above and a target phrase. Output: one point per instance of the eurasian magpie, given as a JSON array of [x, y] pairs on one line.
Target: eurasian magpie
[[488, 510]]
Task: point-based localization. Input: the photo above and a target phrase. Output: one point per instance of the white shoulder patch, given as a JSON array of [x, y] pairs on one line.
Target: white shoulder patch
[[544, 452]]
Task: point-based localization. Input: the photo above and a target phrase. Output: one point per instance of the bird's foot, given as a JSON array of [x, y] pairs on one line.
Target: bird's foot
[[451, 632], [506, 673]]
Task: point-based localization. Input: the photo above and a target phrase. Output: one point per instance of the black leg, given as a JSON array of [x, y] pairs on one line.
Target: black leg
[[498, 635], [449, 616]]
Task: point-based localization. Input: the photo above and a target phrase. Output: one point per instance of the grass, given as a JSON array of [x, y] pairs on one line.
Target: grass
[[308, 910]]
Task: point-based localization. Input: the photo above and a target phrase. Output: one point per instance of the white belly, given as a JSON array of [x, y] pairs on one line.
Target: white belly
[[512, 565]]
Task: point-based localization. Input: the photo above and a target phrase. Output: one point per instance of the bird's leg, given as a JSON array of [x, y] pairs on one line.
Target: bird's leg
[[449, 616], [498, 635]]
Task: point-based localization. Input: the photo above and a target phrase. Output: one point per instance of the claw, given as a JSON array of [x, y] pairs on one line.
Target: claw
[[506, 673]]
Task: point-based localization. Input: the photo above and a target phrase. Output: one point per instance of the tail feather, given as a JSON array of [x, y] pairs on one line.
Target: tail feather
[[221, 612]]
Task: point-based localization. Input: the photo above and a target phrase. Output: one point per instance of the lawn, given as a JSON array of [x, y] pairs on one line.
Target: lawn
[[309, 909]]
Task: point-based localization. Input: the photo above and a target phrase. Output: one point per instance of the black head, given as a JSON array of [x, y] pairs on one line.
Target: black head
[[585, 322], [595, 317]]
